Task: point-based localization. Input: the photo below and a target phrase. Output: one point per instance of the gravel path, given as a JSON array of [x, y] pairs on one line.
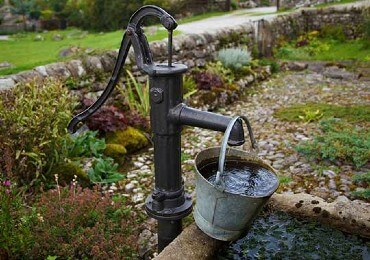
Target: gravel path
[[229, 20]]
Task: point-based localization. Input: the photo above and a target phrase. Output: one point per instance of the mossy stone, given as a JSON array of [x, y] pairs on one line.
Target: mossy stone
[[115, 151], [67, 171], [132, 139]]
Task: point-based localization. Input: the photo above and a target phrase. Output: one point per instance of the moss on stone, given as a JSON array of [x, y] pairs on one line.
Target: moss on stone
[[115, 151], [66, 173], [132, 139]]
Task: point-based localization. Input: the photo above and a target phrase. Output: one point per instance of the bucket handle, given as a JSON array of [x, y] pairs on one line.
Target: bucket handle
[[221, 160]]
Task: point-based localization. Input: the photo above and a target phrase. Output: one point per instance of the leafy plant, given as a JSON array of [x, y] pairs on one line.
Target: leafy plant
[[189, 86], [234, 59], [311, 116], [86, 145], [33, 128], [111, 118], [365, 193], [364, 178], [137, 95], [364, 181], [104, 170], [339, 141], [218, 68]]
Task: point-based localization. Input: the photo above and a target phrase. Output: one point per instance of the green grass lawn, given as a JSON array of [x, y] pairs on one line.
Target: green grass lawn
[[25, 53], [337, 51], [336, 3]]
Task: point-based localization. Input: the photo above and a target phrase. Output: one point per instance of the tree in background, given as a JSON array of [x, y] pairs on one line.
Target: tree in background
[[23, 8]]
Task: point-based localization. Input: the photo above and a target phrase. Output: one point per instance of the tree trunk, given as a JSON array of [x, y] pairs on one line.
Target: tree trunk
[[227, 5]]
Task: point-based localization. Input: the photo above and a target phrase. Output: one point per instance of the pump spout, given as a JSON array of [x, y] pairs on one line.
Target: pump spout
[[184, 115]]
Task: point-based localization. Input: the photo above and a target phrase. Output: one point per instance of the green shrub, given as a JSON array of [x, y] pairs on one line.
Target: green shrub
[[165, 4], [339, 141], [33, 129], [333, 32], [364, 194], [234, 59], [364, 178], [16, 222], [275, 67], [234, 5], [86, 145], [104, 170]]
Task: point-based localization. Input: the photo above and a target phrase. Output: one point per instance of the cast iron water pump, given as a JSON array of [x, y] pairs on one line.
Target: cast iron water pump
[[168, 203]]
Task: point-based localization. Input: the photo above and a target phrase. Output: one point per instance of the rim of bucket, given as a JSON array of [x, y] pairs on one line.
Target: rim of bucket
[[258, 161]]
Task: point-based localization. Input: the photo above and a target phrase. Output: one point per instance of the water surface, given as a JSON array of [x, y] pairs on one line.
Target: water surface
[[243, 178]]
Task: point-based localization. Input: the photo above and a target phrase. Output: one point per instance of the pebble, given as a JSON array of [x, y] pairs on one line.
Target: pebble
[[138, 164], [129, 187], [329, 173]]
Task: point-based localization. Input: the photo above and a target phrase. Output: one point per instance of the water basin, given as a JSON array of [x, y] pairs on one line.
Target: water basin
[[281, 236]]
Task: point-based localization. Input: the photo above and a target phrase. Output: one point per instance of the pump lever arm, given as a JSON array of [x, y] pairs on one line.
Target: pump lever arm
[[133, 36]]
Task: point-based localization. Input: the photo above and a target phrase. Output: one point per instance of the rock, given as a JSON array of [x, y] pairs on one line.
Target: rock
[[70, 51], [338, 73], [6, 83], [58, 69], [5, 64], [76, 68], [138, 197], [145, 243], [93, 64], [39, 38], [332, 185], [57, 37], [329, 173], [295, 66]]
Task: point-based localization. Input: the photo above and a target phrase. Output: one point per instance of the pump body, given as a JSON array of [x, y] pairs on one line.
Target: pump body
[[168, 203]]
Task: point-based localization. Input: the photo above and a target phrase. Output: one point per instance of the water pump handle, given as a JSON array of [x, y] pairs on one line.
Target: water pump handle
[[222, 157], [134, 36]]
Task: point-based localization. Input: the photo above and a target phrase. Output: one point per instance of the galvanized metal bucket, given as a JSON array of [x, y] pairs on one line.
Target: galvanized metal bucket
[[218, 213]]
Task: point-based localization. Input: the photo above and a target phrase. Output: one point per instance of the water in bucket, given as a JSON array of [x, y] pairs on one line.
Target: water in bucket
[[242, 178]]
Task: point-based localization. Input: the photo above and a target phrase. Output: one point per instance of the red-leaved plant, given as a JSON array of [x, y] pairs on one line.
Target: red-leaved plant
[[111, 118]]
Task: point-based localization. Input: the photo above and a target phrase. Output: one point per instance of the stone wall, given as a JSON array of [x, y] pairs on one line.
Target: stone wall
[[195, 50]]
